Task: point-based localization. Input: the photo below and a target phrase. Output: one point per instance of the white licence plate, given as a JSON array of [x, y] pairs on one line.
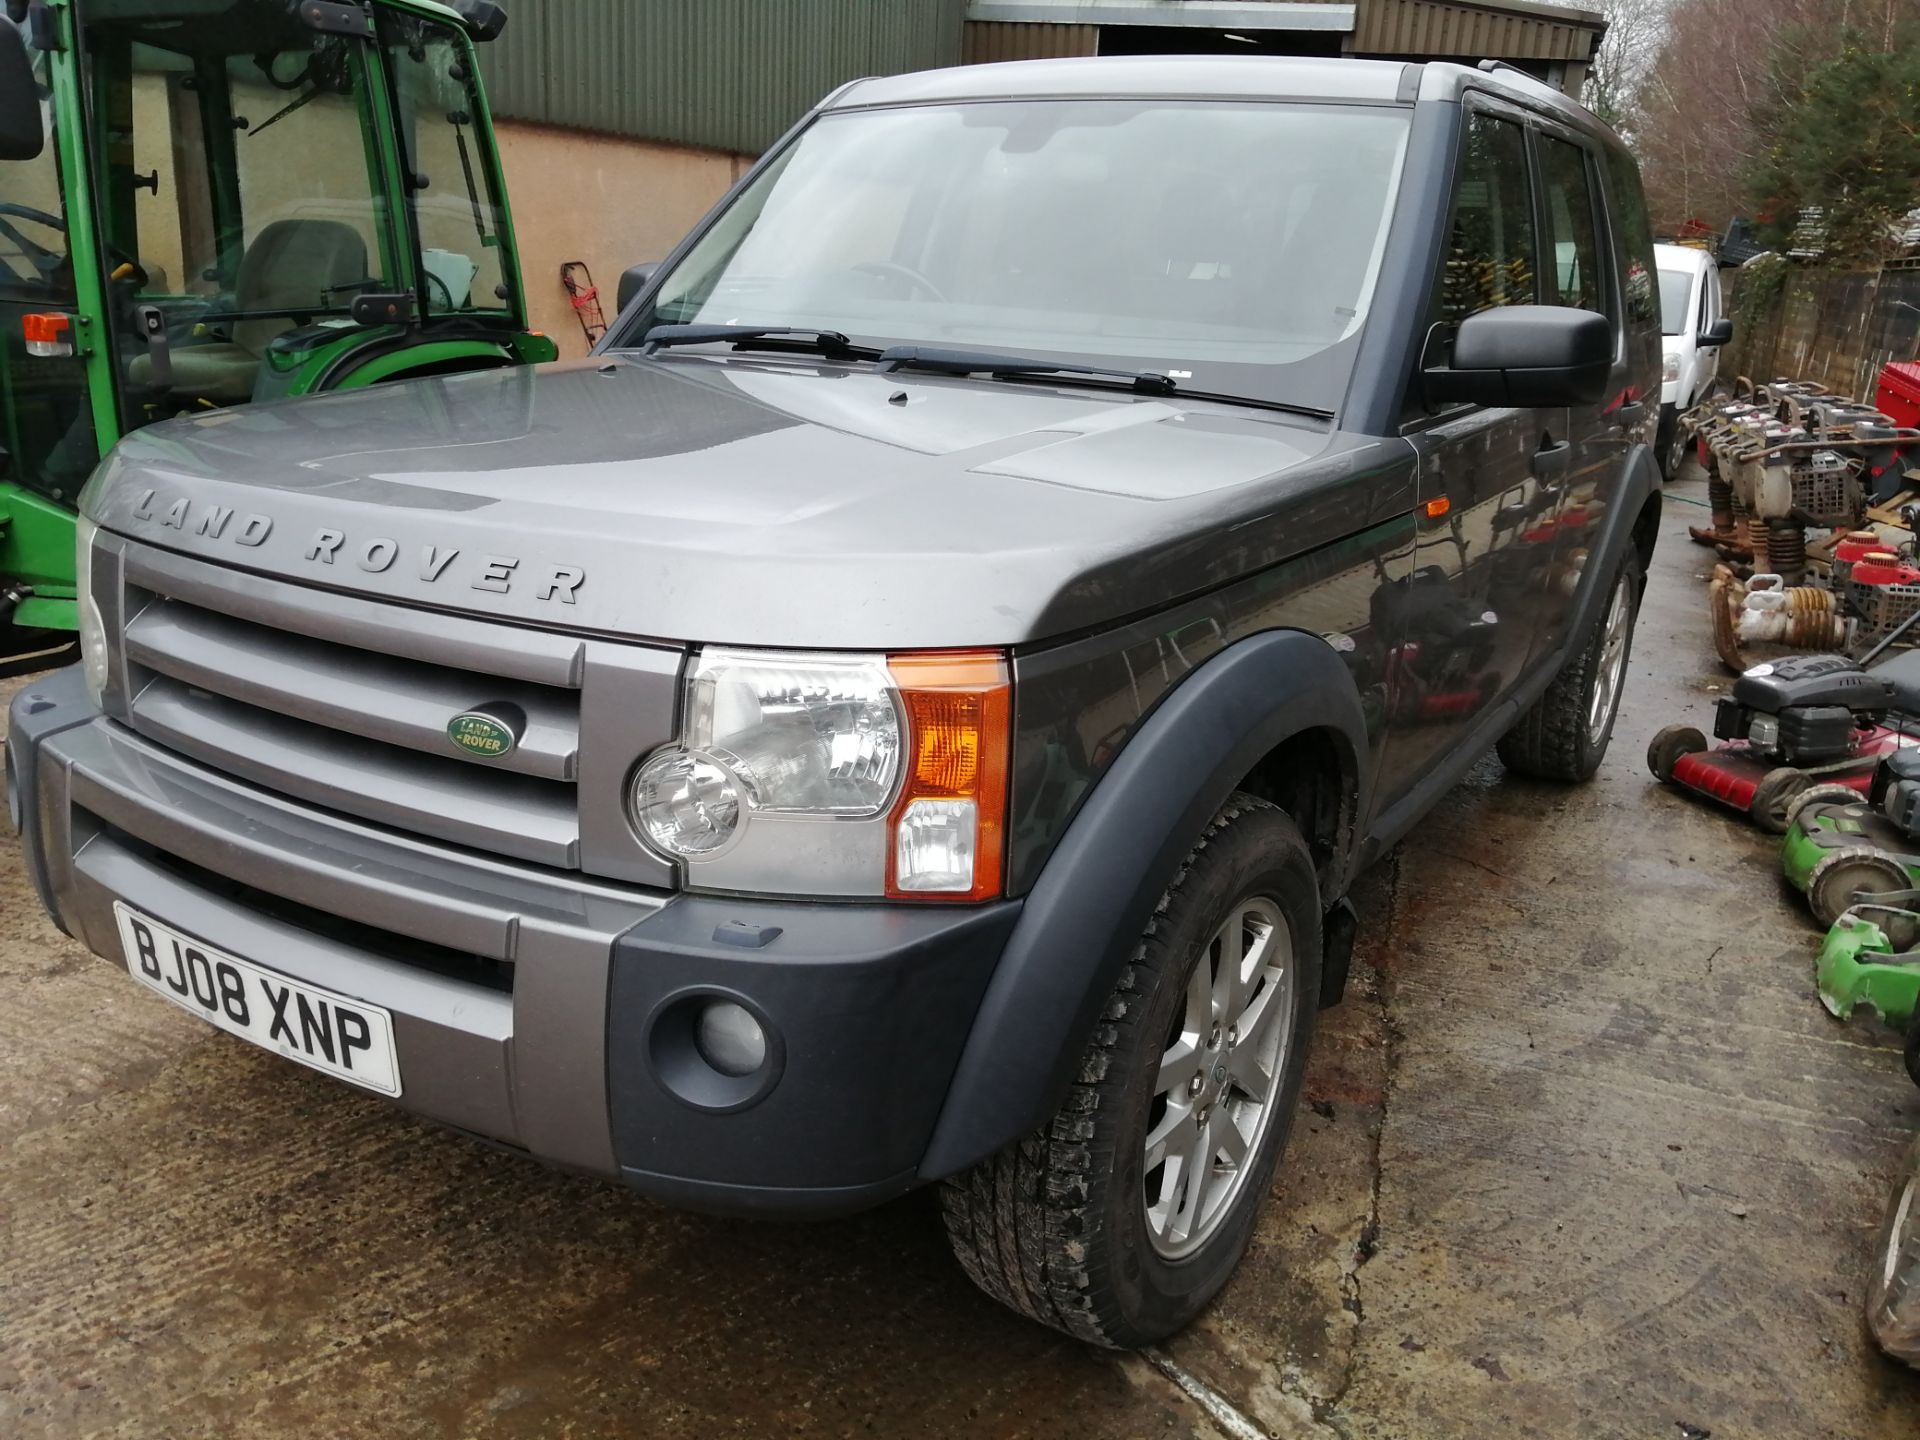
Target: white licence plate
[[348, 1039]]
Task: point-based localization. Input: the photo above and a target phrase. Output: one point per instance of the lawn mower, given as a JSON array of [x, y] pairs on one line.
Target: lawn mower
[[1869, 959], [1842, 846], [1793, 723]]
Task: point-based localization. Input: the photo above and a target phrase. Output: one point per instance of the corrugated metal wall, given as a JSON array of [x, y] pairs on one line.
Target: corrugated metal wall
[[991, 40], [726, 74], [1422, 27]]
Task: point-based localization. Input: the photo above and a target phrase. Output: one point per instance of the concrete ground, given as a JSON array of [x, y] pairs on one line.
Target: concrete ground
[[1584, 1158]]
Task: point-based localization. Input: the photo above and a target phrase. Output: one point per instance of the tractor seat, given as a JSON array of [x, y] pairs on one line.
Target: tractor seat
[[1902, 671], [291, 263]]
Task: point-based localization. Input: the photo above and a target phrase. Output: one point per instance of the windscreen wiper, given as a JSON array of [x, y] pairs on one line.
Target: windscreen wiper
[[808, 337], [986, 362]]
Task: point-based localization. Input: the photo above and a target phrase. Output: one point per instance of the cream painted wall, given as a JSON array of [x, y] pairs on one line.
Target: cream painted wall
[[609, 202]]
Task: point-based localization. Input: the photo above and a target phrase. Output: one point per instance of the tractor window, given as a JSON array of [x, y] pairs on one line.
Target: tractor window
[[456, 204], [46, 416], [239, 197]]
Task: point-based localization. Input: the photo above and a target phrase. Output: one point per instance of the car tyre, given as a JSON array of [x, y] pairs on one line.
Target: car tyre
[[1075, 1226], [1673, 448], [1564, 734]]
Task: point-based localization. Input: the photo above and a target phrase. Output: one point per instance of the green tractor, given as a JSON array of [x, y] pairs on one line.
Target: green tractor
[[205, 203]]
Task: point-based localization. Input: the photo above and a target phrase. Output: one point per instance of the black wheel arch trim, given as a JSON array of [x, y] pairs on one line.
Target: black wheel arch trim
[[1098, 889]]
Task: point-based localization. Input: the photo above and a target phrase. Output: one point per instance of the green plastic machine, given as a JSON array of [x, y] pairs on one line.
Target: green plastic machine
[[205, 203]]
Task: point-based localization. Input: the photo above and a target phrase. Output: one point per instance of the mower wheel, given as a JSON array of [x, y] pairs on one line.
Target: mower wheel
[[1777, 790], [1913, 1049], [1901, 927], [1831, 791], [1839, 879], [1667, 748]]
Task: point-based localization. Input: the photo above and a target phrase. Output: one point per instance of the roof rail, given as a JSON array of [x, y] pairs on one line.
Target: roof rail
[[1490, 67]]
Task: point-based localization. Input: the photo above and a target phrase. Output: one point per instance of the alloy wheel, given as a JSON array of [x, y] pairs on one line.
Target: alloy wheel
[[1217, 1088]]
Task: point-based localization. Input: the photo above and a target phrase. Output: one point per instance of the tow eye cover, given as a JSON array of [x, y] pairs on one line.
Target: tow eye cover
[[483, 735]]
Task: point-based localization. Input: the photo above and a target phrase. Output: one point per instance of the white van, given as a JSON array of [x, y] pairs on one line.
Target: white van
[[1692, 330]]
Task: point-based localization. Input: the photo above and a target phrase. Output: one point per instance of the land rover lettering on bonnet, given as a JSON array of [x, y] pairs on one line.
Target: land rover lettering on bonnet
[[1050, 528], [374, 555]]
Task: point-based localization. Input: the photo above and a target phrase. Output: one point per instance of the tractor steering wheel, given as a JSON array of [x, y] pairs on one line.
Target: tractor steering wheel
[[43, 259], [49, 260]]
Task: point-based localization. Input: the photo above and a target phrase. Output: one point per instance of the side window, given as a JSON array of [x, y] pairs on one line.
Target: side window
[[33, 229], [1575, 274], [1635, 238], [1491, 253], [46, 414]]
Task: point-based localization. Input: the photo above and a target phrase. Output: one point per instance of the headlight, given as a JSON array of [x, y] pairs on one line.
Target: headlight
[[93, 631], [834, 775], [1670, 371]]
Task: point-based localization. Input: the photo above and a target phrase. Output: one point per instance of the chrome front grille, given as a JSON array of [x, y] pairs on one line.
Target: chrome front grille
[[343, 702]]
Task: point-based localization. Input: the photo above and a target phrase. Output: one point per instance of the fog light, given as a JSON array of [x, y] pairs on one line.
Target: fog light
[[730, 1039]]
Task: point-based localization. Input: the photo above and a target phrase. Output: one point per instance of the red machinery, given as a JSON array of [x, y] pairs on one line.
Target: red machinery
[[1898, 393]]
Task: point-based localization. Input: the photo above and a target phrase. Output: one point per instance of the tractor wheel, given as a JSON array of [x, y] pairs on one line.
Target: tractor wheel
[[1777, 790], [1839, 879], [1667, 748], [1913, 1048], [1831, 791]]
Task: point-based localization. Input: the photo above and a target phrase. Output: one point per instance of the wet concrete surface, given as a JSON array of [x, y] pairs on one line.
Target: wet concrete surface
[[1583, 1157]]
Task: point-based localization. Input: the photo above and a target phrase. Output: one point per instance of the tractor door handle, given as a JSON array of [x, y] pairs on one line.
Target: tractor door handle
[[1551, 460], [153, 328]]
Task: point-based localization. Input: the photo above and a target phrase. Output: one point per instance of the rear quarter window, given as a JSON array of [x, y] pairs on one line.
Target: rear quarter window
[[1633, 236]]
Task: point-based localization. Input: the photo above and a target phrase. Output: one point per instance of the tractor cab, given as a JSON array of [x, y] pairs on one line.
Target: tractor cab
[[206, 203]]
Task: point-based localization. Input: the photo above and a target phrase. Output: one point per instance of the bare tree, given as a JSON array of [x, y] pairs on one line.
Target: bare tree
[[1723, 78], [1636, 30]]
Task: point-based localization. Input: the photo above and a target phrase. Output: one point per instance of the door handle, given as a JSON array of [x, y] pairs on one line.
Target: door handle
[[1551, 460], [153, 328]]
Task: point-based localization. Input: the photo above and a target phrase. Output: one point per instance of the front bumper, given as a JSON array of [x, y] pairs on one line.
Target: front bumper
[[532, 1007]]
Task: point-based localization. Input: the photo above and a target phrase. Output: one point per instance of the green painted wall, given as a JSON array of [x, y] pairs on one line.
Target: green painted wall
[[726, 74]]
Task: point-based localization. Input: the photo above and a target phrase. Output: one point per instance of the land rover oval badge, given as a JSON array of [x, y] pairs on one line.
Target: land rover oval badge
[[481, 734]]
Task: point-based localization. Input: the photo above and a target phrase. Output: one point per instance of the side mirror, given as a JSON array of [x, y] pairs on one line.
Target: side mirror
[[635, 279], [1719, 333], [1526, 355], [485, 19], [21, 135]]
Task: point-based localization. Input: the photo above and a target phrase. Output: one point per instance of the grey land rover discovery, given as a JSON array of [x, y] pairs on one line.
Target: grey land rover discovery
[[908, 709]]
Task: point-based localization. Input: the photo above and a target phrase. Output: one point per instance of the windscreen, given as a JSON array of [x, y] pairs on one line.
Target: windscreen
[[1676, 293], [1233, 246]]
